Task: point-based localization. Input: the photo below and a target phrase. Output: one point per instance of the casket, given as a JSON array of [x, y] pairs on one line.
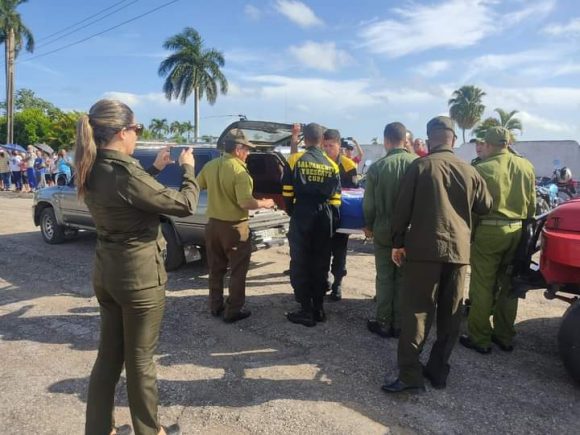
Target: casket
[[351, 211]]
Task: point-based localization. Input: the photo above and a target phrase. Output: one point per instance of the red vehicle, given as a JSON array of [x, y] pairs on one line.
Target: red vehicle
[[558, 234]]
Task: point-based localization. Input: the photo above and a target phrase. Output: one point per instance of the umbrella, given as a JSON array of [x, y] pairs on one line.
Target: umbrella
[[13, 147], [44, 147]]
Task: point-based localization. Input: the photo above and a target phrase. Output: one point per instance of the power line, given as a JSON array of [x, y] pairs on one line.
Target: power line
[[82, 21], [88, 24], [100, 33]]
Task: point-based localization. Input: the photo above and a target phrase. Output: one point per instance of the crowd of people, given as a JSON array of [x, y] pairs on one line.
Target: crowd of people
[[33, 169], [430, 214]]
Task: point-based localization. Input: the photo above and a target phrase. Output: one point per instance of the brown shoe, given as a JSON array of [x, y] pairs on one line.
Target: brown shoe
[[241, 315]]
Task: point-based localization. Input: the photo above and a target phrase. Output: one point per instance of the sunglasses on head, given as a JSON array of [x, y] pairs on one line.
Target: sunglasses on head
[[138, 128]]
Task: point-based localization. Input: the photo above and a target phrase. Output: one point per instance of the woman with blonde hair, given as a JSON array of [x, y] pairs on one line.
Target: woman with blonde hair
[[129, 275]]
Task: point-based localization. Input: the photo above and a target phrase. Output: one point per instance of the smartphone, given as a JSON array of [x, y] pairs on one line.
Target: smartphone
[[349, 138], [175, 152]]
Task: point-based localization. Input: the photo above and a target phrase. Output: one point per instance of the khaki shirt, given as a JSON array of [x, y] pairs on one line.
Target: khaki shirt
[[382, 185], [432, 217], [228, 184], [125, 202], [4, 164], [511, 180]]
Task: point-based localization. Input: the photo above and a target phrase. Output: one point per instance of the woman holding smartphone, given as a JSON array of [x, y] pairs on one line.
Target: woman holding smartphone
[[129, 275]]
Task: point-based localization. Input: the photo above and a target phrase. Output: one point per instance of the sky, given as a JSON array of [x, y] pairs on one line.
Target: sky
[[351, 65]]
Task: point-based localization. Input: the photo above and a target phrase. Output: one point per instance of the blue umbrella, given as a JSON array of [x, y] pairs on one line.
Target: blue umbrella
[[13, 147]]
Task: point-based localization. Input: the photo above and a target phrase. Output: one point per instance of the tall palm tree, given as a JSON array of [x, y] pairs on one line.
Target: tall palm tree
[[508, 120], [466, 108], [192, 69], [12, 34], [158, 127], [175, 128]]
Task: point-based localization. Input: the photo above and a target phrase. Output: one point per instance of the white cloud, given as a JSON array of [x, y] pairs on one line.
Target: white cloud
[[330, 94], [321, 56], [431, 69], [137, 100], [405, 96], [298, 13], [534, 11], [533, 121], [449, 23], [572, 28], [252, 12], [423, 27], [523, 98]]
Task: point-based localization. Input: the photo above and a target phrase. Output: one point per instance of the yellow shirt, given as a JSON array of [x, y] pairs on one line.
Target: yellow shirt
[[228, 183]]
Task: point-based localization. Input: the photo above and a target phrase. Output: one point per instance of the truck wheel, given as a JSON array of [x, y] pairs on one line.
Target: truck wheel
[[174, 256], [569, 340], [52, 232]]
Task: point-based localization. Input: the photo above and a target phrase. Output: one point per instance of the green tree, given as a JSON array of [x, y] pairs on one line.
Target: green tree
[[31, 126], [187, 129], [191, 68], [375, 141], [158, 127], [63, 130], [482, 127], [12, 34], [509, 121], [466, 108]]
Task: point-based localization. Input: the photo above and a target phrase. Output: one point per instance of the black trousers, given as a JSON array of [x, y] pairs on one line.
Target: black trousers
[[339, 248], [310, 247], [430, 289]]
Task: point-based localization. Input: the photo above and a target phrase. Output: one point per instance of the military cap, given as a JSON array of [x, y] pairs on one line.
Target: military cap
[[440, 123], [237, 136], [497, 136]]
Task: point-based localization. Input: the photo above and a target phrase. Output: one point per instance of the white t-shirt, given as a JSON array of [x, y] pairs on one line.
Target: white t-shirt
[[15, 163]]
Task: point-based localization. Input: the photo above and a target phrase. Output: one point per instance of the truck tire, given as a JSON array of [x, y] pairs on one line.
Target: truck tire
[[174, 256], [569, 340], [52, 232]]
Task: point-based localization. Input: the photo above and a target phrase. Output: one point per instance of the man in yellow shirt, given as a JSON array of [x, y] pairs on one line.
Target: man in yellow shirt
[[227, 233]]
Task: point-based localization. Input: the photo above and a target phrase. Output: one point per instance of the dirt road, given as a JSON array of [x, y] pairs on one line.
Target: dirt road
[[261, 375]]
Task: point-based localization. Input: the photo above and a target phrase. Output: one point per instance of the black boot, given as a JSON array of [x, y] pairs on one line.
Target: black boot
[[336, 294], [301, 317]]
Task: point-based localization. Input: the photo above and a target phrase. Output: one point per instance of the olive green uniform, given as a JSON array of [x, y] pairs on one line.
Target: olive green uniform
[[382, 184], [227, 233], [129, 280], [432, 221], [511, 182]]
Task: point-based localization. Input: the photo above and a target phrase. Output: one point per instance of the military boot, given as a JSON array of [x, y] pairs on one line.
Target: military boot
[[336, 293]]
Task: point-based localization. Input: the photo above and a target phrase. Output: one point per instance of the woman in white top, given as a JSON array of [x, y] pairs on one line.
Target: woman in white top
[[15, 161]]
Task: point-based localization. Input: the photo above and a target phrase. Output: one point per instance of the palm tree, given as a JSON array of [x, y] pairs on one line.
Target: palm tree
[[192, 68], [508, 120], [175, 128], [158, 127], [466, 108], [187, 128], [12, 33], [482, 127]]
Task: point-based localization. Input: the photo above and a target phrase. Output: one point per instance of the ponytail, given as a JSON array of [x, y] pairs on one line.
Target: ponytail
[[85, 154]]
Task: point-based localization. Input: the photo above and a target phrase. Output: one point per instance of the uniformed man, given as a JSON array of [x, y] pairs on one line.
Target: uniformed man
[[511, 182], [311, 190], [431, 231], [382, 184], [348, 180], [478, 146], [227, 233]]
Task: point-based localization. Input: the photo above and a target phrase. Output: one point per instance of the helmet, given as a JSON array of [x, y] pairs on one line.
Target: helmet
[[563, 175]]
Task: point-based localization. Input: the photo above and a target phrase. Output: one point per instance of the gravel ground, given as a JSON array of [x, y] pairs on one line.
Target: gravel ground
[[261, 375]]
